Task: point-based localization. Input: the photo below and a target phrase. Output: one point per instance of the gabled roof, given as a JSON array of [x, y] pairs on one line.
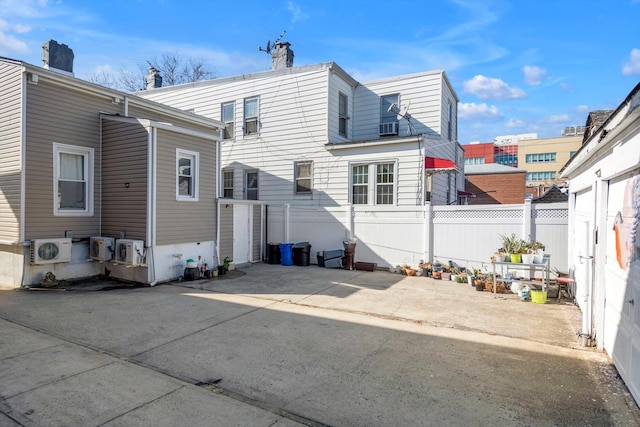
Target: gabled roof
[[93, 88], [552, 195]]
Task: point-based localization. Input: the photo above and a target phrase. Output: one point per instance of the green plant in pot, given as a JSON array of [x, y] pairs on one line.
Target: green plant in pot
[[222, 269], [513, 245]]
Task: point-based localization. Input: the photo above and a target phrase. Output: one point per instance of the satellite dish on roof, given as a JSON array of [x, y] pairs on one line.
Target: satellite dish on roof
[[403, 114]]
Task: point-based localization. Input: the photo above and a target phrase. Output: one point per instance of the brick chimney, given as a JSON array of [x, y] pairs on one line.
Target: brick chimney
[[281, 56], [154, 79], [57, 57]]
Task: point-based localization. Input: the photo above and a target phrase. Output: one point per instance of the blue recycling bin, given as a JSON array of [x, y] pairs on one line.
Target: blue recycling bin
[[286, 256]]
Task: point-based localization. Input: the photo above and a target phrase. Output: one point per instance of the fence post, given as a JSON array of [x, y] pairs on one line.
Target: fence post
[[526, 220], [428, 232], [287, 207]]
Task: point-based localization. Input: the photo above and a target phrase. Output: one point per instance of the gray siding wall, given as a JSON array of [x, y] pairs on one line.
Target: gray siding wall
[[125, 158], [185, 221], [58, 114], [226, 231], [10, 151]]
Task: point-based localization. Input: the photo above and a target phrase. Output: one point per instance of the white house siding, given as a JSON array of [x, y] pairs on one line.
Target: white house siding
[[125, 179], [185, 221], [601, 177], [10, 151], [56, 113], [256, 239]]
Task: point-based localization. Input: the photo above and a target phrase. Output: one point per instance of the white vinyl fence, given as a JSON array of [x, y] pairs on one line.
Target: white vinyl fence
[[389, 236]]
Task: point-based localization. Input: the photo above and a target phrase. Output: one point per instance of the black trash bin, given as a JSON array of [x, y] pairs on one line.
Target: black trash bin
[[301, 253], [273, 253], [349, 255]]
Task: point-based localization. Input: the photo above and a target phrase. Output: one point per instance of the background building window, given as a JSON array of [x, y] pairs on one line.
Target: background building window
[[250, 116], [186, 175], [303, 177], [540, 157], [228, 117], [251, 185], [474, 161], [343, 114], [541, 176], [73, 173], [227, 184]]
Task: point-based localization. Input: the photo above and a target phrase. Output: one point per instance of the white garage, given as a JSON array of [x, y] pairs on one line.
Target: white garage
[[604, 236]]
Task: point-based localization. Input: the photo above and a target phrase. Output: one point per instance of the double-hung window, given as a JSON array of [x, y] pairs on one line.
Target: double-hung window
[[73, 180], [228, 117], [227, 184], [373, 182], [343, 114], [251, 118], [388, 115], [302, 176], [187, 163], [251, 185]]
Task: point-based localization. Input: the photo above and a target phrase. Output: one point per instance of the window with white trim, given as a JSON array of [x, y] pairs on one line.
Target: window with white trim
[[227, 114], [187, 165], [302, 177], [251, 118], [227, 184], [373, 184], [389, 119], [343, 113], [72, 180], [251, 185]]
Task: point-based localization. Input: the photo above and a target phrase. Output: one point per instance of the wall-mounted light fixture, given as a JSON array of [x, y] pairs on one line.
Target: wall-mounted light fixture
[[598, 173]]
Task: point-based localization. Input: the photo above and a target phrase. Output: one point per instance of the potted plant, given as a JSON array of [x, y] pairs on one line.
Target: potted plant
[[513, 246], [538, 249], [526, 253], [222, 269]]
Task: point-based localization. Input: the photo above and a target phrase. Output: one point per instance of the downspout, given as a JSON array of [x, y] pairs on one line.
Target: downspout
[[218, 170], [23, 174]]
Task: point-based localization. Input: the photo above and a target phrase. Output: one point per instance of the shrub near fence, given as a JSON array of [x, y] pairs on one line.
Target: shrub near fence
[[389, 236]]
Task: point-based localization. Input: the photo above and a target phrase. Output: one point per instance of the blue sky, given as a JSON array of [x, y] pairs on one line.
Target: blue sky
[[517, 66]]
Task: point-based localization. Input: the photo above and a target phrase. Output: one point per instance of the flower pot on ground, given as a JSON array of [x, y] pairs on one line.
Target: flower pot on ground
[[446, 275]]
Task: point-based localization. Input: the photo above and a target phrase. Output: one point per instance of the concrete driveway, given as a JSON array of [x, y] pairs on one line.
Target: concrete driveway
[[276, 345]]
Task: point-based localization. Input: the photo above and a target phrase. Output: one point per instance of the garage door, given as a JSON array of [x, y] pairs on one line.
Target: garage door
[[622, 291]]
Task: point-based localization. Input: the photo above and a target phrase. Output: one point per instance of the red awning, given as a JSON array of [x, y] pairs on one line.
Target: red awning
[[437, 165]]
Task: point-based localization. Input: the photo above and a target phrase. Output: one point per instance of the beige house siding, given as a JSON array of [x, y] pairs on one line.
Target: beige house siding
[[226, 231], [124, 193], [181, 221], [561, 147], [58, 114], [10, 151]]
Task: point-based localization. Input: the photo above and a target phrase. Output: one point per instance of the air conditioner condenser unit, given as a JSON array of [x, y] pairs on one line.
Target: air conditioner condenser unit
[[50, 251], [130, 252], [102, 248]]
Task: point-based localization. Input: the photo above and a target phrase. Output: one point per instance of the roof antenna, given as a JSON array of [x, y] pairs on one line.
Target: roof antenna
[[270, 46]]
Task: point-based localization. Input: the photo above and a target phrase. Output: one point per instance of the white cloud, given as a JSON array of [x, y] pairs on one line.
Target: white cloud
[[473, 111], [533, 75], [632, 66], [296, 11], [8, 43], [515, 123], [21, 28], [489, 88], [582, 108], [558, 118]]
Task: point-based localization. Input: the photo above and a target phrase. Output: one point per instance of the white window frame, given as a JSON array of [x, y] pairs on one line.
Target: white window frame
[[88, 166], [373, 184], [343, 114], [194, 157], [246, 183], [297, 177], [255, 117], [224, 183], [229, 130]]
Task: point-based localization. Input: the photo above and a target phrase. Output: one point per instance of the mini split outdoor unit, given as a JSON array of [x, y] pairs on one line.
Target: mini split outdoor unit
[[49, 251], [130, 252], [102, 248]]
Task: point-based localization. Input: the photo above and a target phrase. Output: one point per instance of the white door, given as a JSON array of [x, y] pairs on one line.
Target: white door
[[241, 233], [622, 307]]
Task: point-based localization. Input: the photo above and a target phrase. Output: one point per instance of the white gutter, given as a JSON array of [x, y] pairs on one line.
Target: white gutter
[[371, 143]]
